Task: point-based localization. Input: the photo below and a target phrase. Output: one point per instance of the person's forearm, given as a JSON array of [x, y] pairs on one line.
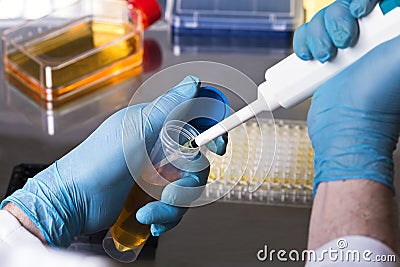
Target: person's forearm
[[24, 221], [352, 207]]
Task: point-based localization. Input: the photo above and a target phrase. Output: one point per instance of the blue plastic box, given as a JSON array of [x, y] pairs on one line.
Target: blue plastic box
[[239, 17]]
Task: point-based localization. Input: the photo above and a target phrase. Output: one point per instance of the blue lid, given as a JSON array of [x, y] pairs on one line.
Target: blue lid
[[388, 5], [213, 111]]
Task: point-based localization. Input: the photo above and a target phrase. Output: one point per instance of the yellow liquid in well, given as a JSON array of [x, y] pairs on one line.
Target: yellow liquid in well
[[62, 53], [127, 232]]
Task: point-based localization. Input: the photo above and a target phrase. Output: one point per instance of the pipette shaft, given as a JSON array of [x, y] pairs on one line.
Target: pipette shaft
[[293, 80]]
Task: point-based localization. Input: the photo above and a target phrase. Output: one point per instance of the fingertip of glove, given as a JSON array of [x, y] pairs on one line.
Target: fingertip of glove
[[182, 192], [342, 40], [194, 79], [155, 231], [323, 57], [142, 215], [302, 51], [190, 180], [356, 9], [220, 143], [300, 46], [190, 79], [304, 55], [159, 229], [188, 86]]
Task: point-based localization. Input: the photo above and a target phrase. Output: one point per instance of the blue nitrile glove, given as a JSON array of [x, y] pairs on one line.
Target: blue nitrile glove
[[85, 190], [161, 214], [333, 27], [354, 119]]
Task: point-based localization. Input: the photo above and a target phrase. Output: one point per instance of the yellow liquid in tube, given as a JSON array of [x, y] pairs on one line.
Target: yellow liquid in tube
[[127, 232]]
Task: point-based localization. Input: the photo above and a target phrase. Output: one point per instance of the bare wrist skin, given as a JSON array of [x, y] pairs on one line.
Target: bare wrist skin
[[24, 220], [353, 207]]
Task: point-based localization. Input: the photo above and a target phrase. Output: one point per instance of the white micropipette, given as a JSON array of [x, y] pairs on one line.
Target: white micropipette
[[293, 80]]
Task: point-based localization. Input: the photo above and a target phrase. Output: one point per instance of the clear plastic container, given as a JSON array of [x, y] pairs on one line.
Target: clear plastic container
[[246, 17], [197, 44], [74, 50], [169, 159]]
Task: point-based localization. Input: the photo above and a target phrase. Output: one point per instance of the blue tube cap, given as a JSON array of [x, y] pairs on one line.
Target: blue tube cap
[[213, 109]]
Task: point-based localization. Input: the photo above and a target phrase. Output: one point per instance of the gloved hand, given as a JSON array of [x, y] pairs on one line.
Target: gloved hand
[[354, 119], [85, 190], [333, 27]]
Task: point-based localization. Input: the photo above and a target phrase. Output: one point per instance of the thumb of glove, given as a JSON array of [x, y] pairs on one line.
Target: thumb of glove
[[157, 111]]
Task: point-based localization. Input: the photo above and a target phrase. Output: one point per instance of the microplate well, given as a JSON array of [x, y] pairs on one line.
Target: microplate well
[[287, 181]]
